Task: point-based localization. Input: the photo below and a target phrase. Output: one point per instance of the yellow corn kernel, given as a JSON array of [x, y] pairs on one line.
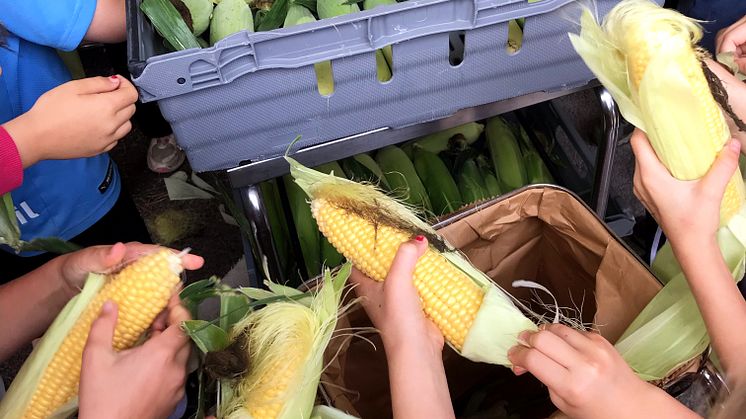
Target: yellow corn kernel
[[141, 290], [449, 298]]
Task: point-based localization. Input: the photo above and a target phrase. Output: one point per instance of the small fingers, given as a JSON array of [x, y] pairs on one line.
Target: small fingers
[[549, 372], [101, 334]]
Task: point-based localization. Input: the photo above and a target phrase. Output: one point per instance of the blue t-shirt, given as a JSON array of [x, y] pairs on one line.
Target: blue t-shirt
[[60, 198]]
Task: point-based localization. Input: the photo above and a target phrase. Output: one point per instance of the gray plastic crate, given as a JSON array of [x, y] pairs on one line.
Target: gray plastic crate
[[250, 95]]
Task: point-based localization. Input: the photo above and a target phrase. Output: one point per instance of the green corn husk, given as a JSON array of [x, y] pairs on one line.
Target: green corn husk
[[168, 22], [670, 331], [285, 339], [229, 17]]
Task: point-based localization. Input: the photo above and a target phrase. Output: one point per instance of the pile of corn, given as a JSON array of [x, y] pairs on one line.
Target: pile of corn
[[436, 175]]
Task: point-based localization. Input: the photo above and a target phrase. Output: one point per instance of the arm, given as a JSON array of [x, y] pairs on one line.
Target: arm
[[413, 344], [587, 378], [43, 292], [688, 212], [64, 24], [109, 23]]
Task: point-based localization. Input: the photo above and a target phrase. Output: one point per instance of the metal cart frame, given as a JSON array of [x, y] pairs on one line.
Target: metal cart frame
[[245, 179]]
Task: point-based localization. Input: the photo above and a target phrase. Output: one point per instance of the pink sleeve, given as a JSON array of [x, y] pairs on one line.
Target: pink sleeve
[[11, 169]]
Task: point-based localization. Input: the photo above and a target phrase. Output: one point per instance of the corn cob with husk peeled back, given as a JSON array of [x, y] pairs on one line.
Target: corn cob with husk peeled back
[[283, 344], [47, 384], [645, 56], [476, 317]]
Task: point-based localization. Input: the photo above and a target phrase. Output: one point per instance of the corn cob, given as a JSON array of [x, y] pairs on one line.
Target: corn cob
[[491, 184], [298, 15], [229, 17], [329, 255], [285, 343], [470, 183], [441, 188], [506, 154], [370, 164], [645, 56], [368, 227], [387, 51], [332, 8], [536, 170], [440, 141], [47, 385], [361, 173], [515, 36], [402, 176]]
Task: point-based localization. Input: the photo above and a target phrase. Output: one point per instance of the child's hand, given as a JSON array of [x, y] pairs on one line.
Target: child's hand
[[585, 375], [733, 39], [76, 266], [394, 306], [81, 118], [688, 211], [143, 382]]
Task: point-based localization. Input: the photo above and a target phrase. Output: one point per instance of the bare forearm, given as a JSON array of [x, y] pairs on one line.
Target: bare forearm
[[418, 383], [109, 23], [29, 304], [720, 302]]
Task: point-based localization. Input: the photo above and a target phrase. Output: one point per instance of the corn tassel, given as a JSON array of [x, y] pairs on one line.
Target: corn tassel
[[47, 385], [477, 318], [646, 57]]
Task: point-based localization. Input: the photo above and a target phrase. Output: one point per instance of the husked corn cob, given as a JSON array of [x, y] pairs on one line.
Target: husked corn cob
[[449, 298], [476, 317], [642, 43], [141, 290], [646, 57]]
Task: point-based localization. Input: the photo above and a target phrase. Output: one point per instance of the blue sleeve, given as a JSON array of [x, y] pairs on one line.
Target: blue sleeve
[[59, 24]]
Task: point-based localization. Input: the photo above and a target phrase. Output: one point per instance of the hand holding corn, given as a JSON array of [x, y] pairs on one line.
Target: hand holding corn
[[688, 211], [48, 383], [413, 343], [77, 265], [144, 382], [587, 378]]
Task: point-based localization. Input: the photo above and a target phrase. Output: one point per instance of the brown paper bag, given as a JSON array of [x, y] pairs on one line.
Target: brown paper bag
[[541, 234]]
